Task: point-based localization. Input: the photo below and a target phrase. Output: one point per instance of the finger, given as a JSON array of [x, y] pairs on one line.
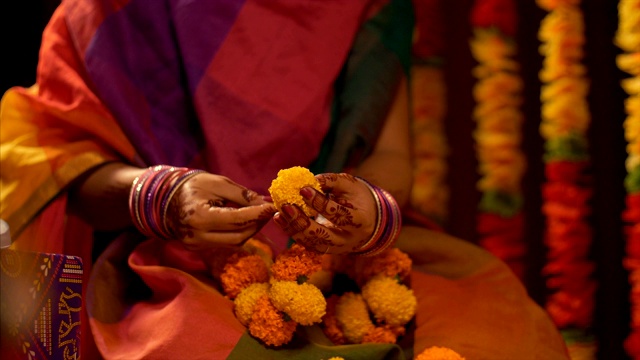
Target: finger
[[203, 239], [292, 220], [307, 232], [239, 194], [230, 219], [319, 238], [343, 214], [330, 182]]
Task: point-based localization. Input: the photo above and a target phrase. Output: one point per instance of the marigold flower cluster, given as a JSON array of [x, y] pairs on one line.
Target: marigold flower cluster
[[272, 301], [285, 188], [628, 39], [380, 310], [567, 189]]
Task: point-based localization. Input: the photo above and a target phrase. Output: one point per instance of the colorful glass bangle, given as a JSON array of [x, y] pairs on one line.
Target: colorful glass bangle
[[388, 222]]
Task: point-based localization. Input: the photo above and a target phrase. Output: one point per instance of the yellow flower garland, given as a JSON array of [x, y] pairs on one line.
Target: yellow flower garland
[[628, 39], [430, 193], [565, 121], [498, 138]]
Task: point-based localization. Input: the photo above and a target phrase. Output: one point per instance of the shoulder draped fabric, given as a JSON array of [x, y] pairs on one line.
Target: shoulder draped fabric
[[241, 88]]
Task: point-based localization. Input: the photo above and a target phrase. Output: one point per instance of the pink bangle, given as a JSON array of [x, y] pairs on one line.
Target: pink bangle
[[388, 223], [150, 196]]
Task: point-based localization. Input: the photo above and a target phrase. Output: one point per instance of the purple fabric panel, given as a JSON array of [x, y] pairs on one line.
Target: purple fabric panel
[[145, 59]]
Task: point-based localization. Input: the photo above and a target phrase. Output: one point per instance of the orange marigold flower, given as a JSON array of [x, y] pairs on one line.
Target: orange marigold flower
[[330, 325], [439, 353], [242, 271], [285, 188], [268, 324], [245, 302], [296, 262], [216, 259], [391, 263], [380, 335]]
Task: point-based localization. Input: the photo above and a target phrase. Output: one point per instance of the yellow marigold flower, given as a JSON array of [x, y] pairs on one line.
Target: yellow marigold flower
[[631, 85], [304, 303], [245, 301], [330, 325], [389, 301], [391, 263], [438, 353], [285, 188], [242, 271], [268, 324], [296, 262], [353, 317]]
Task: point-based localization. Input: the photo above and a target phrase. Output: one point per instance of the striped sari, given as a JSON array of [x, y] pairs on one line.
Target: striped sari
[[240, 88]]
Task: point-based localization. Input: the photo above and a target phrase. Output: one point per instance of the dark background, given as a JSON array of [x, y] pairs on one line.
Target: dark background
[[23, 21]]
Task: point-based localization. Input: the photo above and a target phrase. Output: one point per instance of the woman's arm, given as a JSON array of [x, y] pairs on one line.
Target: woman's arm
[[389, 166], [100, 197]]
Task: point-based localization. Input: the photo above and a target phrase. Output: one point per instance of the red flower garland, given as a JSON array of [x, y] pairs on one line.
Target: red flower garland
[[628, 39], [567, 190]]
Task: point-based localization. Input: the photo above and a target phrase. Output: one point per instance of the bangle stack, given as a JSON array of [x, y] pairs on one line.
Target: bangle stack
[[150, 196], [388, 223]]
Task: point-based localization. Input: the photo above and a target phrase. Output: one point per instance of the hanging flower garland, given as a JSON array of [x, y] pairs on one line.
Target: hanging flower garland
[[498, 133], [430, 194], [567, 190], [628, 39]]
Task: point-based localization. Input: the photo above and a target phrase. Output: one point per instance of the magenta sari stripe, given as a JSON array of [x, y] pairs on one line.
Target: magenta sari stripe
[[145, 71]]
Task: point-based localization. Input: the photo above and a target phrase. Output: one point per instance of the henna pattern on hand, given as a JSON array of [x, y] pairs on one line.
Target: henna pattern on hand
[[315, 238], [264, 216], [296, 222], [177, 219], [339, 215], [249, 195]]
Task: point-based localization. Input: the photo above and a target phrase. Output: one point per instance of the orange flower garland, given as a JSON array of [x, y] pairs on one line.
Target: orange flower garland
[[498, 133], [628, 39], [566, 193], [271, 298], [429, 193]]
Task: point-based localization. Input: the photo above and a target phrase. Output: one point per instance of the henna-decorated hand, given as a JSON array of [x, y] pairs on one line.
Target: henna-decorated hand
[[211, 210], [348, 206]]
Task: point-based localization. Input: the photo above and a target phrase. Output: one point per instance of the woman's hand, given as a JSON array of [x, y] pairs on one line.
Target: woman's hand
[[211, 210], [348, 215]]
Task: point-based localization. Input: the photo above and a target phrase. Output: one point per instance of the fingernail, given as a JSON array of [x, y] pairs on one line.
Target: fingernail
[[289, 210], [279, 220], [306, 193]]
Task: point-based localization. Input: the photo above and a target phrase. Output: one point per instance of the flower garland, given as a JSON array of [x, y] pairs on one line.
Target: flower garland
[[628, 39], [429, 193], [498, 134], [271, 298], [567, 190]]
